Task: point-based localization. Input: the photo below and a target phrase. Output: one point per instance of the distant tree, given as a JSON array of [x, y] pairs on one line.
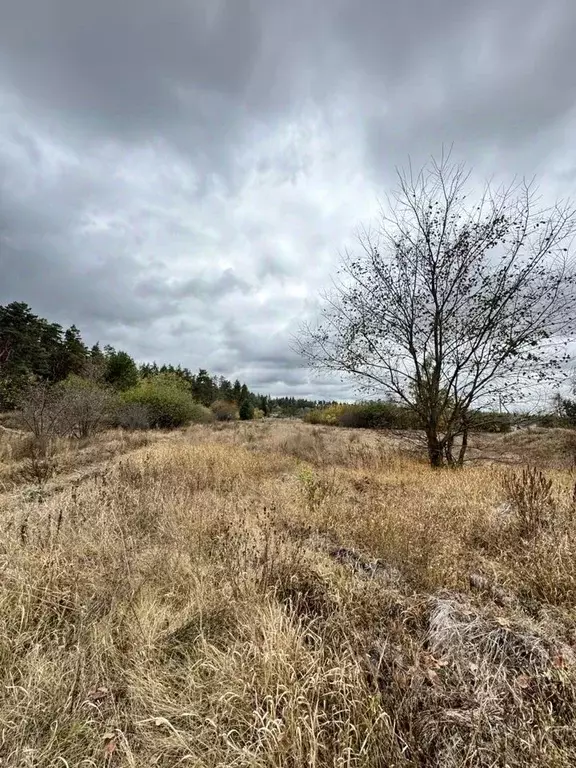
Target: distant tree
[[121, 370], [5, 351], [290, 406], [225, 389], [32, 347], [237, 392], [187, 375], [31, 340], [452, 304], [73, 354], [94, 368], [203, 388], [246, 411], [565, 409], [97, 360], [148, 369], [96, 354]]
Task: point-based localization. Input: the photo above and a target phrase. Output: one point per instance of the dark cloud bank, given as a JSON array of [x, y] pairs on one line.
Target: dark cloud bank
[[177, 178]]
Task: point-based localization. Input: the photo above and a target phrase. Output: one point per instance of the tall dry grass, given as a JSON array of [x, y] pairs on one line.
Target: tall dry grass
[[281, 595]]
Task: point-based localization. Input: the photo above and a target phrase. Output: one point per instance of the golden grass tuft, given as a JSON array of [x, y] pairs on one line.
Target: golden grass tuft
[[276, 594]]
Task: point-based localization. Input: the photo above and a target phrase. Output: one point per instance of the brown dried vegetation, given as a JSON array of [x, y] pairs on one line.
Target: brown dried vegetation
[[274, 594]]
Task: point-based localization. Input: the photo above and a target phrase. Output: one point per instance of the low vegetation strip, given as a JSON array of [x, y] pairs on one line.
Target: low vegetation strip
[[261, 595]]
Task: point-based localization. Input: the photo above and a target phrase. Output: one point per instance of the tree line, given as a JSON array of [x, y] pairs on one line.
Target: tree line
[[36, 350]]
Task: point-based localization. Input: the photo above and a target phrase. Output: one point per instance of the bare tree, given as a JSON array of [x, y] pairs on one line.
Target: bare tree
[[75, 408], [453, 302], [87, 406], [42, 410]]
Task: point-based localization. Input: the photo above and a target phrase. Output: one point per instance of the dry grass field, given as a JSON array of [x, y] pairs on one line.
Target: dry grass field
[[276, 594]]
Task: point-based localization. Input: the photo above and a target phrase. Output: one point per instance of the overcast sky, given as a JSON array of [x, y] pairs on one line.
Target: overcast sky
[[177, 177]]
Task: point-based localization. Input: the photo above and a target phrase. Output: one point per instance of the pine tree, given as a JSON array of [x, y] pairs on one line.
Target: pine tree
[[74, 353], [32, 347], [96, 354], [246, 411], [225, 389], [203, 388], [121, 370]]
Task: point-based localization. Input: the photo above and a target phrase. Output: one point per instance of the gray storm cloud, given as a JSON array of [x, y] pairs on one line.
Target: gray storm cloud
[[178, 178]]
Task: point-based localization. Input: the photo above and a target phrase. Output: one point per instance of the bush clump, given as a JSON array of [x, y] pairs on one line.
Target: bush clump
[[224, 410], [491, 421], [330, 415], [382, 414], [369, 415], [379, 415], [167, 402], [76, 407], [86, 407]]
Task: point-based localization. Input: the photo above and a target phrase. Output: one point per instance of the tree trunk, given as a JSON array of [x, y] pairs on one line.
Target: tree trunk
[[435, 448], [448, 449], [463, 447]]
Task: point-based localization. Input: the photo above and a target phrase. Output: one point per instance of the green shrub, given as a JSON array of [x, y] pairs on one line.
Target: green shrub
[[314, 416], [168, 403], [373, 414], [201, 414], [246, 411], [331, 414]]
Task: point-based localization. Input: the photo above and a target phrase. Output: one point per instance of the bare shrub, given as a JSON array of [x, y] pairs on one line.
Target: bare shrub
[[224, 410], [531, 497], [75, 408], [42, 410], [133, 416], [86, 407], [40, 462], [43, 413]]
